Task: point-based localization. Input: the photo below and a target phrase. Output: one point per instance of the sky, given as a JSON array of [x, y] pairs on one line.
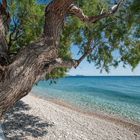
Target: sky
[[88, 69]]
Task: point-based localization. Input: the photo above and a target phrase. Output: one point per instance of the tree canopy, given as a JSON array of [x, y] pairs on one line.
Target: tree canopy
[[114, 39]]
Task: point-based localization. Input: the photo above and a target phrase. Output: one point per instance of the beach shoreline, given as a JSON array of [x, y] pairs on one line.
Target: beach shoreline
[[102, 115], [67, 122]]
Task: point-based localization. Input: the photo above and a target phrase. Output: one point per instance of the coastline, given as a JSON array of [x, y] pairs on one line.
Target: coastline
[[56, 120], [135, 126]]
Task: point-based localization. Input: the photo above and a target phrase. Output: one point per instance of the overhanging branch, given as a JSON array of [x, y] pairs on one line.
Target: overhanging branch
[[92, 19]]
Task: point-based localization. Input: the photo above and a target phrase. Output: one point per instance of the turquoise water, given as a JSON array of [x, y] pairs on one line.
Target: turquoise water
[[112, 95]]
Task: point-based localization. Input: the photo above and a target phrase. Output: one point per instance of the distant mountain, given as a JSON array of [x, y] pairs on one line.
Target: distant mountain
[[75, 76]]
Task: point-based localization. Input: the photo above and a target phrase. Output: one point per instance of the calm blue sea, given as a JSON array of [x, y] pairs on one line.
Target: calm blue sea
[[112, 95]]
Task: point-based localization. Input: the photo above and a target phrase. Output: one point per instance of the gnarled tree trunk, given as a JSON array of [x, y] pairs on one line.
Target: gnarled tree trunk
[[35, 60]]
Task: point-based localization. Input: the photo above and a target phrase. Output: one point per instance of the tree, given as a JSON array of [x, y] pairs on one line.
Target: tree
[[33, 47]]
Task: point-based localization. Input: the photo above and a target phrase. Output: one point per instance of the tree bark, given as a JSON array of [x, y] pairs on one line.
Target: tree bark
[[35, 60], [20, 76]]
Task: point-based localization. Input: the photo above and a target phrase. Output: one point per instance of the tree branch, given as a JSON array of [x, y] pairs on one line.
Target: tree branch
[[4, 12], [71, 63], [92, 19], [3, 29], [3, 44]]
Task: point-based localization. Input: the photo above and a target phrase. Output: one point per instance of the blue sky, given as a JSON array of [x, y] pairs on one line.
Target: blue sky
[[89, 69]]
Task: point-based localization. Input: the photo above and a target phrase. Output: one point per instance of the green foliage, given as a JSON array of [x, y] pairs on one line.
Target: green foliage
[[27, 19], [119, 33], [57, 73]]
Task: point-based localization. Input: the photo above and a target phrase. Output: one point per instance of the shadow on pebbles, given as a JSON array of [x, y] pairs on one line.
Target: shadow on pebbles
[[18, 125]]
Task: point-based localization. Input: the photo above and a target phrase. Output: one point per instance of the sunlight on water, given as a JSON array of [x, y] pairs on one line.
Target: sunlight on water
[[113, 95]]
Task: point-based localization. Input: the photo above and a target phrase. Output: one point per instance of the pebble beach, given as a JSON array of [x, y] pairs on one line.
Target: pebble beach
[[34, 118]]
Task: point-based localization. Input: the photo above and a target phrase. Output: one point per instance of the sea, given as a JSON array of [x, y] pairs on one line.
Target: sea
[[112, 95]]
